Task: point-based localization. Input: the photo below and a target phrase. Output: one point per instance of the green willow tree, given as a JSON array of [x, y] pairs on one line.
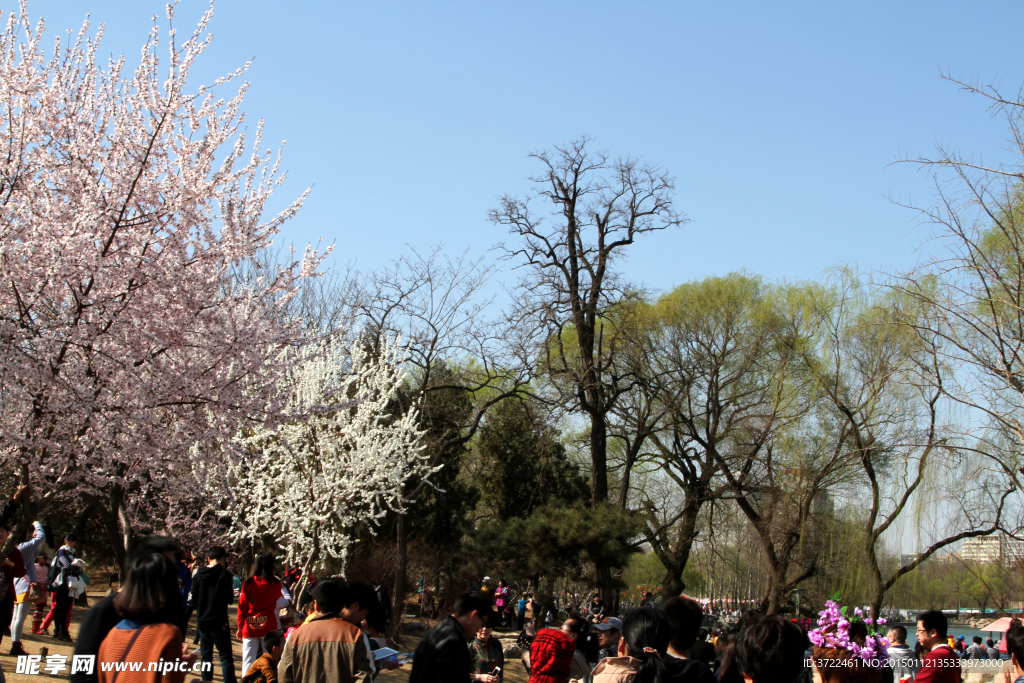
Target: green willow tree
[[883, 384], [972, 294]]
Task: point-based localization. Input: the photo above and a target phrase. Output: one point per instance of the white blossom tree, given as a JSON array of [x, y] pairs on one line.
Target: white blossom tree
[[338, 461]]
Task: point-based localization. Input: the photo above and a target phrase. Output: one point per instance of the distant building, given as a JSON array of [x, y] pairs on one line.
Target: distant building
[[995, 549], [1013, 550]]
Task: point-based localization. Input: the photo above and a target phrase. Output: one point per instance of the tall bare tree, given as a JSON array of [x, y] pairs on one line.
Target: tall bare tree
[[571, 234]]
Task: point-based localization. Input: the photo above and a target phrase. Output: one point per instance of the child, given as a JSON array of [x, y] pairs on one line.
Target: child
[[264, 669], [38, 593]]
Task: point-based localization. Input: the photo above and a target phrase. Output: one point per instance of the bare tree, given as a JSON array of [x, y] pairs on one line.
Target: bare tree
[[438, 306], [592, 208]]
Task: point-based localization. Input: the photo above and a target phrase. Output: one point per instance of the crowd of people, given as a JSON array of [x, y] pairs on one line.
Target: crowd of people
[[331, 630], [296, 629], [668, 643]]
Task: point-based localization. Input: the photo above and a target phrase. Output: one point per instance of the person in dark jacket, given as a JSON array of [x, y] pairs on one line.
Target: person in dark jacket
[[443, 654], [686, 660], [102, 617], [64, 563], [212, 592], [384, 598], [702, 650], [185, 583]]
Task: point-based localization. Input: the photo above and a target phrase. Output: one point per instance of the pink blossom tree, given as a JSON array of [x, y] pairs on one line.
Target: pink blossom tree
[[128, 206]]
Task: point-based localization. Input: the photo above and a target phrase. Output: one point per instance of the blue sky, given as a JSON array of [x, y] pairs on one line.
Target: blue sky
[[779, 120]]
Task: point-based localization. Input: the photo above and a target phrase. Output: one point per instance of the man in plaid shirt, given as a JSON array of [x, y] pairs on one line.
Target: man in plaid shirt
[[551, 656]]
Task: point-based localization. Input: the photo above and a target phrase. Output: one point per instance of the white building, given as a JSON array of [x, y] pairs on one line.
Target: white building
[[997, 548]]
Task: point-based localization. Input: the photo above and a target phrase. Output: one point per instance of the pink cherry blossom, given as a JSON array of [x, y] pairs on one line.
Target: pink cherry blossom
[[131, 207]]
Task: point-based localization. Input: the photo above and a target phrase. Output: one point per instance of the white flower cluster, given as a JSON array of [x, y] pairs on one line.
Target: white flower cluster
[[340, 460]]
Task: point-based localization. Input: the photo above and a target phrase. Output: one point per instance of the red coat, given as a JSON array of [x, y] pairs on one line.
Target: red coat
[[257, 607], [941, 665]]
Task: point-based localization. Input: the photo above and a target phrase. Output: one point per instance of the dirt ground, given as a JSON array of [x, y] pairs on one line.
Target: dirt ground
[[515, 672]]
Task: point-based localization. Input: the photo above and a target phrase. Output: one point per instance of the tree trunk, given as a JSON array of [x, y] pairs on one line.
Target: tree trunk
[[308, 567], [776, 586], [28, 512], [676, 555], [401, 568], [876, 601], [127, 534], [110, 526], [81, 519], [247, 558], [598, 459], [547, 603]]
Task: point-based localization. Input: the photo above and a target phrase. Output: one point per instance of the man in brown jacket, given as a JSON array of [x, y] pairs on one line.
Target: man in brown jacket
[[326, 648]]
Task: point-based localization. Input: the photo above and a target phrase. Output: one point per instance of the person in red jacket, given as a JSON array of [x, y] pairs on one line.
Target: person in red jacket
[[257, 608], [940, 664]]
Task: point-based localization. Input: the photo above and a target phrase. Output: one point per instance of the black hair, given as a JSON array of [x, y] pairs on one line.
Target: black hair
[[771, 650], [216, 552], [702, 633], [263, 567], [934, 620], [272, 640], [685, 617], [473, 600], [70, 538], [150, 593], [977, 639], [647, 633], [377, 618], [988, 641], [329, 595], [901, 633], [363, 594], [148, 545], [729, 671]]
